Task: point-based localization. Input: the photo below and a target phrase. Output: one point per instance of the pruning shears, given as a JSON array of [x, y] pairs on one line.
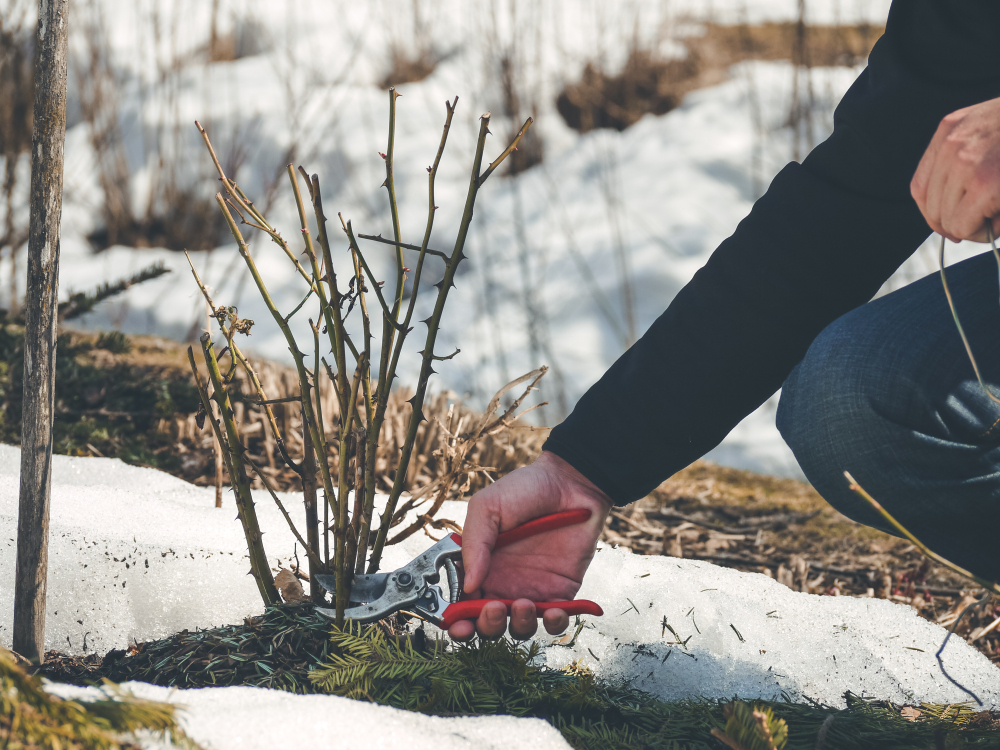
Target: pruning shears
[[414, 587]]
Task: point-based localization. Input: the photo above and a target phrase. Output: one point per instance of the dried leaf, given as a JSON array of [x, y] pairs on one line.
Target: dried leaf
[[289, 586]]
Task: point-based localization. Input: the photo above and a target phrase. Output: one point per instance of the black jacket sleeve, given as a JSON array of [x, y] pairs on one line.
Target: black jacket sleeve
[[820, 242]]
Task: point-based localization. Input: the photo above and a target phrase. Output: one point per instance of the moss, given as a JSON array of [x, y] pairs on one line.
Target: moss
[[110, 396]]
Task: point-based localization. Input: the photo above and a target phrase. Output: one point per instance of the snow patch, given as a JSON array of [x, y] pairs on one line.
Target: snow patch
[[248, 718]]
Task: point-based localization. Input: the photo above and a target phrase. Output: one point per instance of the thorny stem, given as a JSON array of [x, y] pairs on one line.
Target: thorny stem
[[507, 151], [404, 245], [347, 396], [310, 553], [336, 331], [366, 352], [307, 409], [433, 326], [251, 374], [342, 478], [387, 315], [375, 425], [240, 200], [238, 476], [391, 187], [340, 509]]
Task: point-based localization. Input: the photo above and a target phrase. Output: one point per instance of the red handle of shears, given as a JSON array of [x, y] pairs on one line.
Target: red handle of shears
[[470, 609], [537, 526]]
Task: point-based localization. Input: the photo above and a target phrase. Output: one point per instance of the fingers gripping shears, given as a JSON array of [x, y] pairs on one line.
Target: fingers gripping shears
[[415, 586]]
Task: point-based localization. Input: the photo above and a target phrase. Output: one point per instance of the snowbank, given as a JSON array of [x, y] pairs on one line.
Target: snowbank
[[749, 636], [247, 718], [138, 554]]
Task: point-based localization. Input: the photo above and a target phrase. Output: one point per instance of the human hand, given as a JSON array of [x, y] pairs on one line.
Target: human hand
[[546, 567], [957, 183]]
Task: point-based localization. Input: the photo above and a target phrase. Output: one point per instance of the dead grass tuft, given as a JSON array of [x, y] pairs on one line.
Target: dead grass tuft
[[181, 220], [407, 68], [648, 84]]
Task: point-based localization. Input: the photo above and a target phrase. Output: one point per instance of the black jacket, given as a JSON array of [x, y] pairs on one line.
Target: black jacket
[[819, 243]]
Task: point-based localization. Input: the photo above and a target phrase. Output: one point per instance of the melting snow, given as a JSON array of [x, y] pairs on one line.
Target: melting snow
[[138, 554]]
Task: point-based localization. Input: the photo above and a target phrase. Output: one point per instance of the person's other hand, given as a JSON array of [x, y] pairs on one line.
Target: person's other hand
[[957, 183], [546, 567]]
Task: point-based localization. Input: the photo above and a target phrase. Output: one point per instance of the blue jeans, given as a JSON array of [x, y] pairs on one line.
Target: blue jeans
[[887, 393]]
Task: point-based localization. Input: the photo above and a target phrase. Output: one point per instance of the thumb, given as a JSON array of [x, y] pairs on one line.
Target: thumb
[[482, 525]]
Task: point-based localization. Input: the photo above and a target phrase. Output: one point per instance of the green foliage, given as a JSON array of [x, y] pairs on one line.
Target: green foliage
[[31, 718], [489, 677], [754, 727], [115, 342], [108, 402], [81, 303]]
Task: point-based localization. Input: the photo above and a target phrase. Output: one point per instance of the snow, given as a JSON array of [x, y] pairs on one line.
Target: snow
[[666, 190], [753, 637], [749, 635], [247, 718]]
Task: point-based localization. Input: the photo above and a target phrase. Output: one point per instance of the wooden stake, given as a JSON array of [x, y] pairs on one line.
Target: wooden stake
[[47, 148]]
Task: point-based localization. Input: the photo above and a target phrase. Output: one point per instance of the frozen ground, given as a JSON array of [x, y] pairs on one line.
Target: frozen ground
[[138, 554], [544, 283]]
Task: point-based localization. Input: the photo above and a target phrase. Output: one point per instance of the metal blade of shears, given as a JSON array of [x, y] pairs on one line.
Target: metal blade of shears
[[364, 588]]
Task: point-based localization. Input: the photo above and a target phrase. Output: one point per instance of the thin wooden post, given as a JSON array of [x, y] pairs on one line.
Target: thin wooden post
[[48, 142]]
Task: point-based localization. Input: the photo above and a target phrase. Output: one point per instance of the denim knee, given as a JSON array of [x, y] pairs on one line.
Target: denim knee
[[887, 393], [828, 416]]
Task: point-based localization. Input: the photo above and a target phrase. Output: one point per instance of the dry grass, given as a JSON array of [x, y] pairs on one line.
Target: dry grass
[[446, 419], [650, 85], [407, 68]]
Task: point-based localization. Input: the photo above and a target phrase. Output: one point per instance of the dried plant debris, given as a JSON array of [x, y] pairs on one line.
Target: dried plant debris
[[785, 530], [649, 84], [132, 397], [31, 718], [276, 650]]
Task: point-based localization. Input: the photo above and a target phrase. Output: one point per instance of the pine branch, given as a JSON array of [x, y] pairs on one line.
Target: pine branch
[[82, 303]]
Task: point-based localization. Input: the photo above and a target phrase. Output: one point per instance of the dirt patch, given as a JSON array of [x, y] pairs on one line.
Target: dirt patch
[[649, 84], [785, 530]]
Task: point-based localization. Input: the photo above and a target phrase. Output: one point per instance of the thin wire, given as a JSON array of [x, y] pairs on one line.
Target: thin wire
[[975, 368], [954, 313], [951, 632]]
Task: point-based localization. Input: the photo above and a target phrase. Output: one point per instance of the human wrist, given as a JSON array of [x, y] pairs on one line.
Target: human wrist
[[556, 464]]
